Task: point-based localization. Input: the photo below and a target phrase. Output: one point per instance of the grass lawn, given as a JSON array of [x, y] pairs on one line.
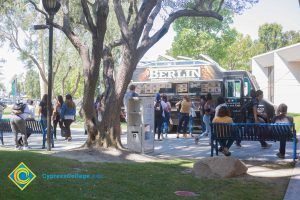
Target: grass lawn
[[124, 181]]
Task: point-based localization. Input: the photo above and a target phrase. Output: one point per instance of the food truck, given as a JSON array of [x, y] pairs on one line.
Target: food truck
[[176, 78]]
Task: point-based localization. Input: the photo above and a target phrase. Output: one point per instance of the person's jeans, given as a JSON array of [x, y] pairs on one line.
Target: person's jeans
[[226, 143], [183, 122], [166, 121], [191, 123], [206, 120], [157, 125], [18, 125]]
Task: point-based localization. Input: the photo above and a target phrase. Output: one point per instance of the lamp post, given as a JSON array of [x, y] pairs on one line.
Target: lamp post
[[51, 7]]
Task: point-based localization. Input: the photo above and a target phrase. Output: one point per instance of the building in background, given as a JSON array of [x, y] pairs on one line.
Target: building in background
[[278, 75]]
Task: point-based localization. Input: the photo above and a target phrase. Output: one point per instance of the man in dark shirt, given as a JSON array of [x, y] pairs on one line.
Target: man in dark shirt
[[254, 116]]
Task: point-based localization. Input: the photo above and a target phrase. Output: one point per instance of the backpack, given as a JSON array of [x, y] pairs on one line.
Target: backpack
[[158, 110], [18, 108]]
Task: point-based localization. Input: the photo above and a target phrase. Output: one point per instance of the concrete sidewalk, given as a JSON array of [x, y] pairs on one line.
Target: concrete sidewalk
[[172, 147]]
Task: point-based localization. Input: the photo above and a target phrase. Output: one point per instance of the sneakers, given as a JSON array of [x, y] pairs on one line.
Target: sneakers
[[26, 148], [69, 139], [17, 148], [279, 155], [226, 151], [266, 146]]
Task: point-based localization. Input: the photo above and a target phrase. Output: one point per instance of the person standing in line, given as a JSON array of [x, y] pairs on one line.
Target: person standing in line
[[167, 115], [2, 107], [185, 106], [192, 115], [159, 107], [68, 112], [209, 109], [56, 115], [281, 117], [131, 93]]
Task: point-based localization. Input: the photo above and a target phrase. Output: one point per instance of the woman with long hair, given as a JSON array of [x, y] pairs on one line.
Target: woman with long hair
[[68, 112], [56, 114], [184, 111]]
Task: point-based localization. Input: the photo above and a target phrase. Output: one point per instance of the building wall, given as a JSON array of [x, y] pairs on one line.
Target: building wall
[[287, 83], [261, 75]]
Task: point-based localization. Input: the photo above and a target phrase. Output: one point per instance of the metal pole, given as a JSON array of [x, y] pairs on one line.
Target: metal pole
[[49, 100]]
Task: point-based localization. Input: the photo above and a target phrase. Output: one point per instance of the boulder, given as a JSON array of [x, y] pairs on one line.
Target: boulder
[[219, 167]]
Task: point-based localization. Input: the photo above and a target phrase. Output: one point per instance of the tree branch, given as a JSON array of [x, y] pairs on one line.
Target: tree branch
[[148, 43], [115, 43], [64, 79], [39, 10], [220, 6], [88, 15], [151, 19], [76, 84], [121, 19], [130, 12]]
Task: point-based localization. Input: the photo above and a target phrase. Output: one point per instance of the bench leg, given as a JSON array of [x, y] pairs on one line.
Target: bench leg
[[295, 148]]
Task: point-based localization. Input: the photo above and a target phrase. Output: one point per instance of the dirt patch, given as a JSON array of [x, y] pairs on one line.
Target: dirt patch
[[105, 155]]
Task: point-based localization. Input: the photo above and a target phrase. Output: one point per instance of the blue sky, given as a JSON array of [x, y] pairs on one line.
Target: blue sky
[[284, 12]]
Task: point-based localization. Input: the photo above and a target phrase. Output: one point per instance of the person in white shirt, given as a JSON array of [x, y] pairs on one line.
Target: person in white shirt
[[31, 108], [220, 103], [20, 113]]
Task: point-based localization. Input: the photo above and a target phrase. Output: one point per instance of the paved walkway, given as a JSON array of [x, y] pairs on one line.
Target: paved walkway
[[186, 148]]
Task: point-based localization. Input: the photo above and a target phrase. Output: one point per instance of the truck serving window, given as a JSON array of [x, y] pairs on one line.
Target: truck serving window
[[233, 88]]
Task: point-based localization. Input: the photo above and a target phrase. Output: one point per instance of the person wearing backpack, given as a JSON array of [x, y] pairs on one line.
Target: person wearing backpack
[[68, 112], [20, 112], [159, 107], [185, 106]]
